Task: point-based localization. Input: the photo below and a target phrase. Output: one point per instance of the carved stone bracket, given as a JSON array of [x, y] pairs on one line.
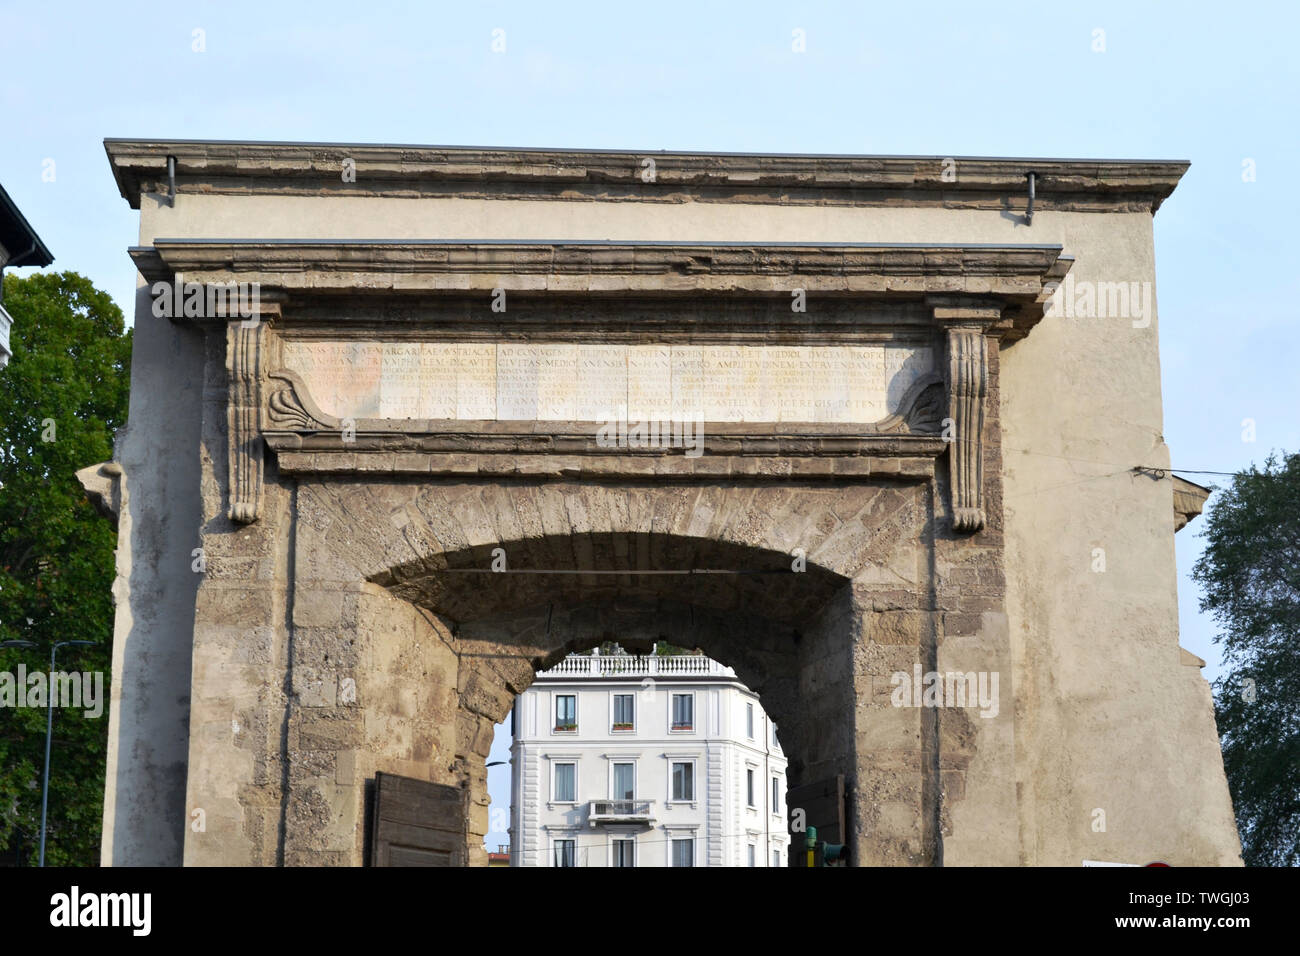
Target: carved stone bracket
[[968, 370], [968, 321], [244, 361], [290, 406], [105, 486], [921, 410]]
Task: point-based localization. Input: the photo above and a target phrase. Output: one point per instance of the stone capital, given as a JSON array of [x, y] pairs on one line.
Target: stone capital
[[966, 311]]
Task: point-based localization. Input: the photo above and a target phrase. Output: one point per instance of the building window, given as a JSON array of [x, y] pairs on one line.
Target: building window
[[684, 852], [776, 794], [624, 781], [683, 780], [776, 857], [566, 783], [749, 787], [624, 712], [683, 711], [753, 855], [565, 853], [625, 852], [566, 711], [749, 721], [775, 743]]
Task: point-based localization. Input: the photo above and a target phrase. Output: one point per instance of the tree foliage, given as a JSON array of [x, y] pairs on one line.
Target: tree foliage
[[1250, 578], [61, 397]]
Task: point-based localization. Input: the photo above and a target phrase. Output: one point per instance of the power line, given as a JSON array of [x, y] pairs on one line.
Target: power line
[[1094, 461]]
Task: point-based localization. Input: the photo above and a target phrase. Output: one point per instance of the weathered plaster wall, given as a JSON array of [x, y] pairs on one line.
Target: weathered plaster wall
[[1107, 716], [148, 728]]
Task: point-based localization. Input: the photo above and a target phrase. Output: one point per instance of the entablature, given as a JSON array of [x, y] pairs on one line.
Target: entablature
[[540, 358]]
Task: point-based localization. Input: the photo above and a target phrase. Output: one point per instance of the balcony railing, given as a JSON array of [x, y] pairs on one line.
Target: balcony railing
[[637, 665], [5, 323], [620, 811]]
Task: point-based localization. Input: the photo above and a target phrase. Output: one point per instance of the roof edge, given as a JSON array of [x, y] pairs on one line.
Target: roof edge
[[33, 251], [263, 167]]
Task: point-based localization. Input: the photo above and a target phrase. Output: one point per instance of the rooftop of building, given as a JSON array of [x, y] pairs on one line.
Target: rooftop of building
[[623, 665], [19, 238]]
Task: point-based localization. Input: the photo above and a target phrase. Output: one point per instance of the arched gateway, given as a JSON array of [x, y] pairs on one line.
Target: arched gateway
[[424, 455]]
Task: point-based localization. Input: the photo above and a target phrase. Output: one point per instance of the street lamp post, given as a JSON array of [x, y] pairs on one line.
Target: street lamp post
[[49, 724], [49, 733]]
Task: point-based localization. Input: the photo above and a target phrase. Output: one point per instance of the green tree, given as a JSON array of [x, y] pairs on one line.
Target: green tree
[[61, 396], [1250, 577], [664, 649]]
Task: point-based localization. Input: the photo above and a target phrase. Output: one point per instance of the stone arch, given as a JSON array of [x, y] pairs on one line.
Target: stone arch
[[745, 607], [395, 600], [389, 532]]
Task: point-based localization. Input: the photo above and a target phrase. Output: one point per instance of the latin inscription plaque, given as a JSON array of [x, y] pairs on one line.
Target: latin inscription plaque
[[599, 383]]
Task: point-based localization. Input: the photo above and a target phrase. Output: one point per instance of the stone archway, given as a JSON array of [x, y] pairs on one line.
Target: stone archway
[[280, 621], [791, 636]]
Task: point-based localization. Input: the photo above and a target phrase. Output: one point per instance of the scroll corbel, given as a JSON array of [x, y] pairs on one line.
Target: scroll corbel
[[244, 360], [967, 321], [968, 371]]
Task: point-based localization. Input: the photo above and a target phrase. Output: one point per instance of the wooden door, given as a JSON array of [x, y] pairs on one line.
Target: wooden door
[[416, 823]]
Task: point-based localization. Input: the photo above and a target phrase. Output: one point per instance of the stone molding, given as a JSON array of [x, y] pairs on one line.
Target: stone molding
[[1016, 279], [315, 169], [904, 461]]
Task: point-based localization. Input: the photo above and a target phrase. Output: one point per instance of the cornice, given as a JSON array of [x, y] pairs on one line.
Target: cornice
[[1017, 278], [315, 169], [1017, 275]]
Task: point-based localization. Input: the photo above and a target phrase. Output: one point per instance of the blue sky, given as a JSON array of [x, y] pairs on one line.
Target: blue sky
[[1205, 82]]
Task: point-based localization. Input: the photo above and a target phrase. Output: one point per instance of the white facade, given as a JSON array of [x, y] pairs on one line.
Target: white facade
[[645, 761]]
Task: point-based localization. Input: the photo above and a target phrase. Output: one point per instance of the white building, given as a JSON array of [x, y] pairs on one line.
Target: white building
[[19, 246], [625, 760]]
